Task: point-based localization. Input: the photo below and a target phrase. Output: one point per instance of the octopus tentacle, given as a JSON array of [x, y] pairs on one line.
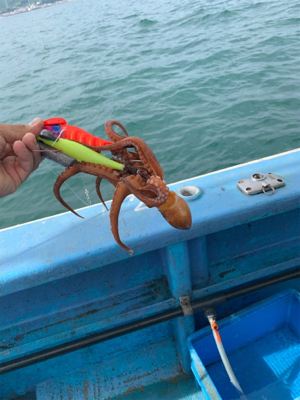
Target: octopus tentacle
[[70, 171], [114, 136], [145, 181], [99, 171], [92, 169], [97, 184], [128, 158], [119, 196], [150, 194], [146, 155]]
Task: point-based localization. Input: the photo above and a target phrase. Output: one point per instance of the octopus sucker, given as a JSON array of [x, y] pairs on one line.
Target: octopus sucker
[[143, 178]]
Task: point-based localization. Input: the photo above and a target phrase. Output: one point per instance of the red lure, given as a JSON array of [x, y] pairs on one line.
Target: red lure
[[60, 127]]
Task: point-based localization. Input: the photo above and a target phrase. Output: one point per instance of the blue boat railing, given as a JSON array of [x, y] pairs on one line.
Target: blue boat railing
[[64, 280]]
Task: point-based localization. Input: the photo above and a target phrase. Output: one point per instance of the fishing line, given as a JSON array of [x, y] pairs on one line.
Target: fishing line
[[46, 58], [65, 183], [60, 133], [35, 22], [86, 191]]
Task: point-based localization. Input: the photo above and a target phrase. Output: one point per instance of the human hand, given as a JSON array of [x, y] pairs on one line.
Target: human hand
[[17, 156]]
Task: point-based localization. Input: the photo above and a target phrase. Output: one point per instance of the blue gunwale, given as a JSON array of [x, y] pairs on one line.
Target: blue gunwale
[[55, 247], [63, 278]]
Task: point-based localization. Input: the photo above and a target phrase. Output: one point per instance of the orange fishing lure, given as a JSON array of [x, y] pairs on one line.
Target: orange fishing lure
[[60, 127]]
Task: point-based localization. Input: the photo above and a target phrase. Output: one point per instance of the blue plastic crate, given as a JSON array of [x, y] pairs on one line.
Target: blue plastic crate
[[262, 343]]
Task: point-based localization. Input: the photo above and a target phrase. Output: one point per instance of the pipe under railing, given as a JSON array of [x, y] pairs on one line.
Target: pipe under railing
[[197, 306]]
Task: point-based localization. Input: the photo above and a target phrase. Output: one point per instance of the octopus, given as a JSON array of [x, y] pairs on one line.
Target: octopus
[[143, 177]]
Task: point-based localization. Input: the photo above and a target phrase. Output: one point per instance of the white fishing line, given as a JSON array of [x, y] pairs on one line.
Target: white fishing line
[[35, 23], [60, 133], [65, 183], [86, 191]]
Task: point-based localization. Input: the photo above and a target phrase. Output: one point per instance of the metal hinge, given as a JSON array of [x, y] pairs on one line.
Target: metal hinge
[[186, 305], [260, 183]]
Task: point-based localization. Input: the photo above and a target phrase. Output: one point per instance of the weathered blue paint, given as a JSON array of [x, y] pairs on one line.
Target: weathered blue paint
[[63, 278], [177, 270]]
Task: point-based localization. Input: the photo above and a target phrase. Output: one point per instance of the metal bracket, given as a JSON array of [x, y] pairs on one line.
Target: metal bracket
[[186, 305], [260, 183]]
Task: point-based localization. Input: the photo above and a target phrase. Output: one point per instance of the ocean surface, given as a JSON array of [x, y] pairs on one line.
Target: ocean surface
[[207, 84]]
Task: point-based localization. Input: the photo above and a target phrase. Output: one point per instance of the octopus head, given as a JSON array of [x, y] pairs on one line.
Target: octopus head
[[176, 211]]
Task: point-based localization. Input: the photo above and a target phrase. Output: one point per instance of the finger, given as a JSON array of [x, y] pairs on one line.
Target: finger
[[11, 133], [5, 148], [30, 142], [24, 162]]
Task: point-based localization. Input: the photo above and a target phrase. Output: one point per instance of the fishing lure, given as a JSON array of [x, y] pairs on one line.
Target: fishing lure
[[60, 128], [78, 151]]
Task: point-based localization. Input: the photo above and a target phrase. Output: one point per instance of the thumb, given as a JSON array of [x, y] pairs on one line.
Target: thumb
[[36, 126], [14, 132]]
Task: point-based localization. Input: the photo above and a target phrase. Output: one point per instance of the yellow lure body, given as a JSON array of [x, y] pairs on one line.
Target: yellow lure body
[[82, 153]]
